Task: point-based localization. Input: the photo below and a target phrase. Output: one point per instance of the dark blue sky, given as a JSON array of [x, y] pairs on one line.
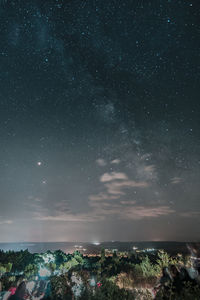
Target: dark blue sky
[[99, 120]]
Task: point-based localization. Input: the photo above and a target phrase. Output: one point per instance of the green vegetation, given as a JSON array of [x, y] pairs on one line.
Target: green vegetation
[[31, 270], [101, 277]]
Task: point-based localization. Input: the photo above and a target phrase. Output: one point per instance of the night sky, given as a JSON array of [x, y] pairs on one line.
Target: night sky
[[99, 120]]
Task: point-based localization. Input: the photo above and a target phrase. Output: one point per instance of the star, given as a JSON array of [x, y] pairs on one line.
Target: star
[[81, 105]]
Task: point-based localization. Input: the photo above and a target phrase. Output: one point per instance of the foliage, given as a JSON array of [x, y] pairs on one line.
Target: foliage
[[12, 279], [125, 281], [142, 294], [190, 292], [127, 277], [30, 270], [147, 269], [102, 254], [78, 257], [2, 270], [113, 279], [164, 260], [60, 257], [138, 271], [60, 288], [8, 267], [68, 265], [19, 259], [51, 266], [5, 268], [110, 291]]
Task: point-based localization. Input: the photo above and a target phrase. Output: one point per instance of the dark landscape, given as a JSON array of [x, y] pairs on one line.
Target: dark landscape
[[89, 248], [110, 270]]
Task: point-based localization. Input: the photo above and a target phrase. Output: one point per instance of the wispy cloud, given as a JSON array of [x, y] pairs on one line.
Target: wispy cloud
[[37, 199], [100, 210], [149, 169], [124, 202], [190, 214], [115, 161], [2, 222], [102, 196], [116, 187], [101, 162], [69, 217], [176, 180], [147, 172], [141, 212], [130, 211], [61, 206], [108, 203], [113, 176]]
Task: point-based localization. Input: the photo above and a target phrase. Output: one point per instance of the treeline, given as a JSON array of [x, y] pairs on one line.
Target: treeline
[[74, 276]]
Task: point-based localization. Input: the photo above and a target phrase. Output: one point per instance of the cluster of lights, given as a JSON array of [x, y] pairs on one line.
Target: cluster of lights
[[77, 246], [149, 250], [96, 243]]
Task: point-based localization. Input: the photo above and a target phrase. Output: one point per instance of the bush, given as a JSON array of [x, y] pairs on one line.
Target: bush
[[60, 288]]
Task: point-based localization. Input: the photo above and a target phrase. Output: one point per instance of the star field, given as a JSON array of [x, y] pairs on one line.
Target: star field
[[99, 120]]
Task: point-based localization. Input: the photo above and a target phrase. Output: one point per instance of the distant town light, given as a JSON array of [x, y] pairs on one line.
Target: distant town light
[[149, 250], [96, 243], [78, 246]]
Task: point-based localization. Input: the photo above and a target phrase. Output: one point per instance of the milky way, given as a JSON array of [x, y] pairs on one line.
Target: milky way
[[99, 120]]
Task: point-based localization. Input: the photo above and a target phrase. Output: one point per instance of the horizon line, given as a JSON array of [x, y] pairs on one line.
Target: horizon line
[[100, 242]]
